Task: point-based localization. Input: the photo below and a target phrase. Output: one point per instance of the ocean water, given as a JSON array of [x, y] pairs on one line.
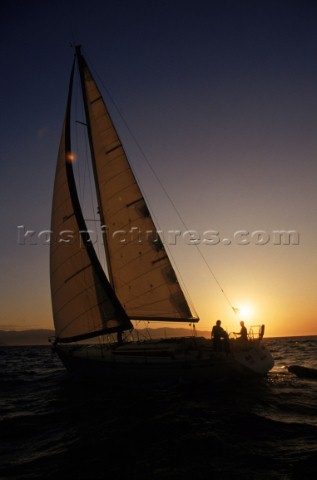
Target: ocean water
[[55, 427]]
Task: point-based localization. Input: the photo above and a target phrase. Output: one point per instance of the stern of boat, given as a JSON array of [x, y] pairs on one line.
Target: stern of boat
[[252, 355]]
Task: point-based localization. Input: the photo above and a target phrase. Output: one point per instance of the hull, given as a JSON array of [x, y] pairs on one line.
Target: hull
[[174, 360]]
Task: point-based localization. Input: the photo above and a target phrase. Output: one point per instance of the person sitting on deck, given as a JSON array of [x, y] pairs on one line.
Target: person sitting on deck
[[219, 336], [243, 334]]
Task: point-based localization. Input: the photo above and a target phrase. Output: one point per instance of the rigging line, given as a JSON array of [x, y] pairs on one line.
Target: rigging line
[[162, 186]]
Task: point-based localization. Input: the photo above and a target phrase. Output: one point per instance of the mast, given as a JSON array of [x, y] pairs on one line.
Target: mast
[[81, 63]]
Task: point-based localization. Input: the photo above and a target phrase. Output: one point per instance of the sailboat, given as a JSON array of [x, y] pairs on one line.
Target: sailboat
[[95, 313]]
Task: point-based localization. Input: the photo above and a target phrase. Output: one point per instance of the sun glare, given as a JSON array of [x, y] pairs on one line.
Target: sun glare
[[70, 157], [245, 312]]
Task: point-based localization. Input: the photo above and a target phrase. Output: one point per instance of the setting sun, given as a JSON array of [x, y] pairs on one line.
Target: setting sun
[[245, 311]]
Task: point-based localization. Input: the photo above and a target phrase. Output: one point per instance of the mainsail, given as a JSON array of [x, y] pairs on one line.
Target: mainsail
[[139, 268], [143, 284]]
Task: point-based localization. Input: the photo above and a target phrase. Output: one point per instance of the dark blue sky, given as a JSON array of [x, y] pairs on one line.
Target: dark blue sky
[[221, 96]]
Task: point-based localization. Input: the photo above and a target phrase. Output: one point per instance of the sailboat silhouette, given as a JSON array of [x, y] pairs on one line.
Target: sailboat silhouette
[[140, 284]]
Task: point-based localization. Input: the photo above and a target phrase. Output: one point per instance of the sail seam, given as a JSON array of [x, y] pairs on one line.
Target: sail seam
[[95, 100], [113, 149], [67, 217], [159, 259], [77, 273], [85, 288], [84, 312], [135, 201]]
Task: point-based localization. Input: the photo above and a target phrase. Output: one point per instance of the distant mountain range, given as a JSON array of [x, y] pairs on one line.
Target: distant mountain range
[[41, 336], [25, 337]]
